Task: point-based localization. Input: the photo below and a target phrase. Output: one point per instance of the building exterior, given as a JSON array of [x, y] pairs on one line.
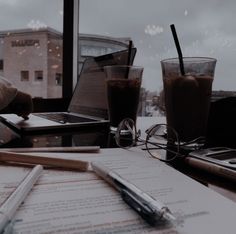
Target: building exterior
[[94, 45], [32, 59]]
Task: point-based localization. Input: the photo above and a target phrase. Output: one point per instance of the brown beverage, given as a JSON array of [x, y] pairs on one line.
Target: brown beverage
[[123, 94], [187, 98], [187, 101], [123, 88]]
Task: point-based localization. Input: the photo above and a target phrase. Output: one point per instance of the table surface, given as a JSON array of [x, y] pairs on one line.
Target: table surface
[[101, 137]]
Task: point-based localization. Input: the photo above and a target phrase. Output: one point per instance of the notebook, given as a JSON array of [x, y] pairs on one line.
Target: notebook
[[88, 105]]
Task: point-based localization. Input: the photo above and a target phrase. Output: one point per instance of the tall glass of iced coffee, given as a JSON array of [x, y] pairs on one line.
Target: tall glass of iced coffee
[[187, 97], [123, 89]]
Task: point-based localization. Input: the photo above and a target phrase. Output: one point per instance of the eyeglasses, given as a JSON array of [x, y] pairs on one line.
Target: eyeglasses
[[161, 142]]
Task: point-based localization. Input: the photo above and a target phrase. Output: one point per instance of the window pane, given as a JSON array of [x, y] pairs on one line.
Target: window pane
[[38, 75], [1, 66], [31, 45], [58, 79], [24, 76], [204, 27]]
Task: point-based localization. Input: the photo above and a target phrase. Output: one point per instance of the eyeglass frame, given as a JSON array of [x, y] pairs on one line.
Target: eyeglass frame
[[131, 129]]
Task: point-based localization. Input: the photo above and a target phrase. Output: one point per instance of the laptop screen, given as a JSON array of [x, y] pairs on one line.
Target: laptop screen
[[89, 96]]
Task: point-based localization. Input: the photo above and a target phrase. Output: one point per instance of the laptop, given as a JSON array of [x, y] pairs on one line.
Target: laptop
[[88, 105]]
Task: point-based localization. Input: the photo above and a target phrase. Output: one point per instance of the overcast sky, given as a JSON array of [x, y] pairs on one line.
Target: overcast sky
[[204, 27]]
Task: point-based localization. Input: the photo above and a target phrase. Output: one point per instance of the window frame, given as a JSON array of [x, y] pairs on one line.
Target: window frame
[[69, 60], [70, 46]]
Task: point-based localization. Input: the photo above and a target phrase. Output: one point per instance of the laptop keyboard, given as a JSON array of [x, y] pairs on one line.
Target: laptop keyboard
[[63, 118]]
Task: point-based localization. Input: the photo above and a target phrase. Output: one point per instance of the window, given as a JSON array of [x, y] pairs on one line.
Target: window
[[1, 64], [205, 28], [38, 75], [24, 76], [90, 50], [58, 79], [31, 42]]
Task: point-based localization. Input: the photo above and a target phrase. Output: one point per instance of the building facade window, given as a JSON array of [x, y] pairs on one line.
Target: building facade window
[[24, 76], [1, 64], [58, 79], [38, 75]]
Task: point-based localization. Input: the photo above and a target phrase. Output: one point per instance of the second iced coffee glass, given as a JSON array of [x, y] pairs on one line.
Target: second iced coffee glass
[[123, 89], [187, 97]]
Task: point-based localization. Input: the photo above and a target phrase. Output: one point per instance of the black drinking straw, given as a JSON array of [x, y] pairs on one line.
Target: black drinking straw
[[181, 63], [129, 59], [129, 53]]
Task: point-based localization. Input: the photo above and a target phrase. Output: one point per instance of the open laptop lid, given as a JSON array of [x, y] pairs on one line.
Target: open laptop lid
[[90, 96]]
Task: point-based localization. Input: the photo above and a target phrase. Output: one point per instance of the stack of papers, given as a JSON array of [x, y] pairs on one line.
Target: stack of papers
[[81, 202]]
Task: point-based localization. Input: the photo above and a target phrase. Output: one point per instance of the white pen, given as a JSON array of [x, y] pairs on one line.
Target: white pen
[[148, 207], [9, 207]]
